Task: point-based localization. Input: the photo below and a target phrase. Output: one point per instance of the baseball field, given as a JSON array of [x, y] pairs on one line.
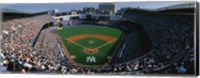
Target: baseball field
[[90, 45]]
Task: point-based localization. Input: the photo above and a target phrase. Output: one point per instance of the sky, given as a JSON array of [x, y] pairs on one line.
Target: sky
[[63, 7]]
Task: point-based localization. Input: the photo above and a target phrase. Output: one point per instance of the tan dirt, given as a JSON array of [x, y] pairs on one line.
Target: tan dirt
[[99, 36]]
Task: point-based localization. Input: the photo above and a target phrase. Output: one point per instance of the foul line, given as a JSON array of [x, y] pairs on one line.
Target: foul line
[[75, 43], [105, 44]]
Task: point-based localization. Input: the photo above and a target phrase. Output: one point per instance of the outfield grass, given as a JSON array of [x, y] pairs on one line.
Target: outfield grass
[[78, 53]]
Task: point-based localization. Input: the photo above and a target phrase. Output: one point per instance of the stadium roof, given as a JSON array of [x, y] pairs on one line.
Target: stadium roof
[[179, 6], [7, 10]]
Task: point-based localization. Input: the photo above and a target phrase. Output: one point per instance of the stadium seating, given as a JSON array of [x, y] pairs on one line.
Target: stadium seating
[[153, 42]]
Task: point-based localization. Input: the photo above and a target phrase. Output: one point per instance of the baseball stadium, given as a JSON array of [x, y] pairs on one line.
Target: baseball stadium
[[103, 40]]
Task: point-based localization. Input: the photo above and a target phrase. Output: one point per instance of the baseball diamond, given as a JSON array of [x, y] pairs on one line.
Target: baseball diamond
[[90, 45]]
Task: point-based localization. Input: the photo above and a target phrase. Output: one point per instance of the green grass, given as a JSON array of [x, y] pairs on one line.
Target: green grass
[[77, 51]]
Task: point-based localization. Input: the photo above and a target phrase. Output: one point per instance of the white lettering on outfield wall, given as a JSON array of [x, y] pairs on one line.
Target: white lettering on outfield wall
[[91, 59]]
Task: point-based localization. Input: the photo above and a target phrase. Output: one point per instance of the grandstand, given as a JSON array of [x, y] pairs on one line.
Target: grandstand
[[175, 37]]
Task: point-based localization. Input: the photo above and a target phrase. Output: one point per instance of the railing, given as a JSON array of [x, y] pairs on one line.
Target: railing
[[33, 41]]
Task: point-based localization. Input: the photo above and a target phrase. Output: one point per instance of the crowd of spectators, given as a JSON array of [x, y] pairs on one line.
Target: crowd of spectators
[[17, 55], [47, 44]]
